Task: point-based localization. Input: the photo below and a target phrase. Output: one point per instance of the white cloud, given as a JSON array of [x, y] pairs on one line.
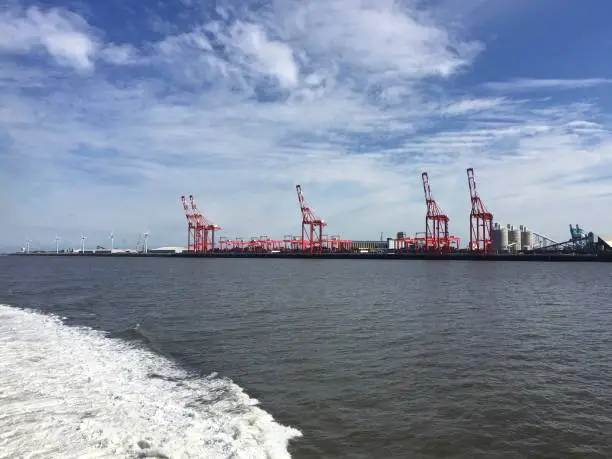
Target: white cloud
[[266, 56], [380, 37], [61, 33], [64, 35], [346, 97], [531, 84], [119, 54], [464, 106]]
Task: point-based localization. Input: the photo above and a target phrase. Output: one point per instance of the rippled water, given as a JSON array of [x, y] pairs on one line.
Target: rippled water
[[372, 359]]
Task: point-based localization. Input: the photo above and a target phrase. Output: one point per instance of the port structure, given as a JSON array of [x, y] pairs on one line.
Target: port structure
[[436, 222], [312, 226], [190, 225], [436, 237], [580, 242], [204, 230], [261, 244], [200, 232], [481, 220]]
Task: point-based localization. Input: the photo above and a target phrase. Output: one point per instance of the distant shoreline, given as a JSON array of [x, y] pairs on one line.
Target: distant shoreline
[[345, 256]]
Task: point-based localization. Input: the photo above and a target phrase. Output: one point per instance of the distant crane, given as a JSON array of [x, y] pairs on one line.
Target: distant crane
[[436, 223], [481, 220], [203, 230], [200, 242], [312, 226], [582, 241], [191, 225]]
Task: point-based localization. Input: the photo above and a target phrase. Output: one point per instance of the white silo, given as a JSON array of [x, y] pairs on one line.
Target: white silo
[[496, 237], [526, 238], [500, 238], [514, 239]]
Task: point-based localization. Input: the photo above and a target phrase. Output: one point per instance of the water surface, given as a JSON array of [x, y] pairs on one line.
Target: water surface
[[366, 359]]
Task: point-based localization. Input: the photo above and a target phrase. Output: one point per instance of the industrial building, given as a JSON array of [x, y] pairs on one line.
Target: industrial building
[[511, 239], [370, 245], [169, 249]]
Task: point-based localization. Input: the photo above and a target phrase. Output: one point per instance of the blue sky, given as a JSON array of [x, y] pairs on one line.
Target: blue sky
[[110, 110]]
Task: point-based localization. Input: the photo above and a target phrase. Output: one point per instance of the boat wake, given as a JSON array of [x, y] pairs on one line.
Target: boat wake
[[73, 392]]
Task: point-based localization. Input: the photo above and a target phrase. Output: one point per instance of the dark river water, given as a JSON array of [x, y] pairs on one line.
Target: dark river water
[[103, 357]]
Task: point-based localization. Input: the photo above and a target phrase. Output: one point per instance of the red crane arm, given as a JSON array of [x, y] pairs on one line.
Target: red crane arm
[[308, 215], [426, 188], [433, 210], [198, 217], [481, 220], [188, 214], [478, 206], [472, 183]]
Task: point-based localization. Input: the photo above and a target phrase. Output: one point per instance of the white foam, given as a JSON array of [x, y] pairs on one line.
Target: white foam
[[72, 392]]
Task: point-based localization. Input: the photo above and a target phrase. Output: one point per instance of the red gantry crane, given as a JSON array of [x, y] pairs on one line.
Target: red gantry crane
[[203, 231], [436, 223], [312, 227], [481, 220], [191, 233]]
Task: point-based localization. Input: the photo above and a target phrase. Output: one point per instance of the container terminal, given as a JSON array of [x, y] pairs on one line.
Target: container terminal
[[488, 240]]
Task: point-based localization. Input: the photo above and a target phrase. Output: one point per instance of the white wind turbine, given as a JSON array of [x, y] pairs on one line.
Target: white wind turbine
[[146, 236], [57, 243], [112, 238], [83, 244]]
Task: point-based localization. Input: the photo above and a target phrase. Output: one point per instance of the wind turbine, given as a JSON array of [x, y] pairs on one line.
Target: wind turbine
[[146, 236], [57, 244], [112, 238], [83, 244], [27, 241]]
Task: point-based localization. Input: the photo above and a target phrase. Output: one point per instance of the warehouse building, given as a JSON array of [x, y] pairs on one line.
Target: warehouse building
[[370, 246], [168, 249]]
